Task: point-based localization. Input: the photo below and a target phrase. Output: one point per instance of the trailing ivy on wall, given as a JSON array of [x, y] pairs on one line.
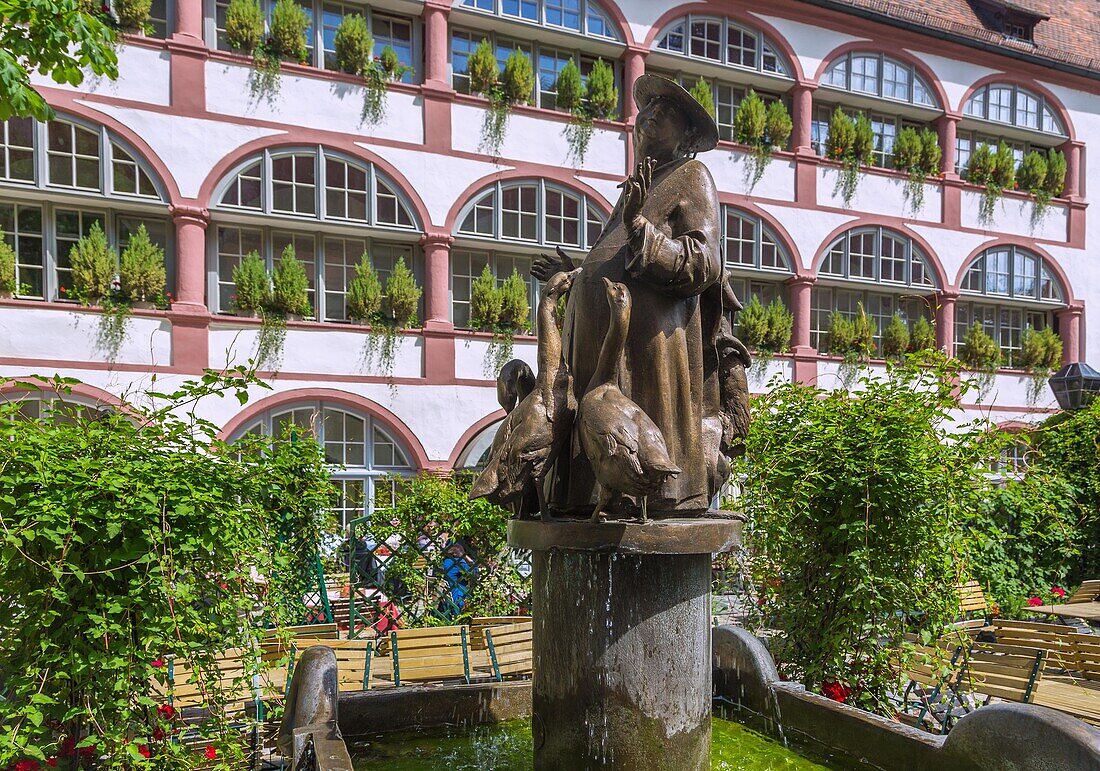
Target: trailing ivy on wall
[[918, 155], [764, 129], [503, 88], [852, 142], [354, 47], [595, 99]]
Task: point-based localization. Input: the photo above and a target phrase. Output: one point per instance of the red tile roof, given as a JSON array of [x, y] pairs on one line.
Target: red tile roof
[[1070, 36]]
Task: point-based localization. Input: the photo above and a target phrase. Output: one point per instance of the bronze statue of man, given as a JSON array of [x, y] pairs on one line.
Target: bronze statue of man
[[663, 243]]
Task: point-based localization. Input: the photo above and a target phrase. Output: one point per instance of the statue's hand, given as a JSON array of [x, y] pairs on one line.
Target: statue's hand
[[545, 266], [637, 188]]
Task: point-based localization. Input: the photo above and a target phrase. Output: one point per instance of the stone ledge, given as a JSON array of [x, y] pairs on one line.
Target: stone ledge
[[662, 536]]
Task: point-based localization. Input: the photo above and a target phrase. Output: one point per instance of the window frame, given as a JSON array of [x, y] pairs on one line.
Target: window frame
[[498, 188], [1041, 268], [980, 96], [913, 253], [783, 69], [761, 228], [879, 92], [583, 7]]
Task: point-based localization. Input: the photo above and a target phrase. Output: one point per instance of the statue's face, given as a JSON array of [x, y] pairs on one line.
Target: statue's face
[[660, 128]]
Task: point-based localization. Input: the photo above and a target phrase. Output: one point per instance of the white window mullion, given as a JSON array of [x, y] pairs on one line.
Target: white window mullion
[[267, 195]]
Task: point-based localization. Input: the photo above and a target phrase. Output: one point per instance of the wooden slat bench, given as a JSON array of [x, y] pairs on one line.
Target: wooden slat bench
[[510, 650], [927, 674], [1076, 693], [431, 654], [1088, 591], [1055, 639], [971, 600], [993, 671]]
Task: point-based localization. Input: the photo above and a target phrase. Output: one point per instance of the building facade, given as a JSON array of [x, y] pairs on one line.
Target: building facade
[[184, 143]]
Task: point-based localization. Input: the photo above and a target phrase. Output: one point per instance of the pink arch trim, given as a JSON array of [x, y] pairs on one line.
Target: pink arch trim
[[892, 225], [891, 49], [361, 404], [748, 206], [470, 433], [311, 138], [733, 13], [83, 390], [65, 102], [1042, 254], [1031, 85], [558, 176]]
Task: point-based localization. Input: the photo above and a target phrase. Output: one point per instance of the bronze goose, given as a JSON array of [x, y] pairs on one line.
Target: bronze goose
[[625, 447], [531, 437]]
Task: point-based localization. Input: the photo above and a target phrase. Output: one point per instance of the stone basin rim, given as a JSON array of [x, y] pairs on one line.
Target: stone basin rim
[[663, 536]]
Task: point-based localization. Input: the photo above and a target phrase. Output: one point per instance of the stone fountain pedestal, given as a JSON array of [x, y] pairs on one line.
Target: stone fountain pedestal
[[622, 641]]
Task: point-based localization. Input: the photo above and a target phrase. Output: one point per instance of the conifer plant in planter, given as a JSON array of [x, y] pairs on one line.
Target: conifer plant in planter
[[895, 338], [853, 340], [765, 329], [402, 300], [141, 272], [923, 336], [1040, 354], [133, 15], [355, 55], [93, 264], [851, 142], [595, 99], [764, 129], [918, 155], [253, 299], [290, 287], [995, 170], [504, 89], [8, 284], [979, 352], [703, 95]]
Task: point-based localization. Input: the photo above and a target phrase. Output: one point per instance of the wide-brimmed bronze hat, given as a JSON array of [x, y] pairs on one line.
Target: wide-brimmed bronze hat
[[650, 87]]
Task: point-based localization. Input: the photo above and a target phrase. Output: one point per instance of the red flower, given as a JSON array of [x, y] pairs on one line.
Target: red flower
[[61, 290], [1058, 591], [157, 663], [1034, 601], [143, 750], [51, 762], [158, 733], [25, 765], [67, 748], [210, 753], [166, 711], [836, 691], [88, 752]]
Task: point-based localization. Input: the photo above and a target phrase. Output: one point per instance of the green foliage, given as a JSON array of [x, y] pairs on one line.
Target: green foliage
[[251, 283], [93, 266], [841, 137], [863, 140], [598, 99], [1033, 172], [133, 15], [570, 92], [244, 25], [515, 309], [847, 142], [403, 295], [979, 351], [931, 152], [918, 159], [517, 81], [923, 336], [1004, 169], [1040, 351], [391, 64], [908, 150], [1056, 173], [354, 45], [602, 96], [854, 338], [513, 85], [289, 22], [59, 39], [750, 120], [7, 265], [364, 293], [290, 285], [485, 301], [979, 169], [995, 169], [780, 324], [141, 271], [483, 68], [704, 96], [764, 129], [752, 324], [895, 338], [853, 501], [778, 126], [132, 538]]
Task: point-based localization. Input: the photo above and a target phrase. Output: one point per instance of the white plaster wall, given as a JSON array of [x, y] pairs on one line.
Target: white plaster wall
[[808, 228], [312, 102], [143, 76], [49, 334], [810, 43], [472, 359], [537, 140], [324, 350], [955, 76], [764, 373], [877, 194], [1007, 390], [1015, 216], [951, 247], [732, 174], [189, 147]]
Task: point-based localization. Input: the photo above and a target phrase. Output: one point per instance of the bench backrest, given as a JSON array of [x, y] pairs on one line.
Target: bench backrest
[[235, 683], [510, 650], [480, 624], [1087, 655], [1086, 592], [1008, 672], [434, 653], [324, 631], [1055, 639], [971, 597], [354, 660]]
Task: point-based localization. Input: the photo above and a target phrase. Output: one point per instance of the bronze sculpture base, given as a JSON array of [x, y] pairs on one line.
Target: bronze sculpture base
[[622, 652]]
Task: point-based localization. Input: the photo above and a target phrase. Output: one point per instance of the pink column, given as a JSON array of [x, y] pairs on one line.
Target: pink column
[[437, 279], [1072, 151], [191, 222], [436, 46], [1069, 328], [633, 68], [802, 117], [946, 127], [945, 321], [189, 20], [799, 290]]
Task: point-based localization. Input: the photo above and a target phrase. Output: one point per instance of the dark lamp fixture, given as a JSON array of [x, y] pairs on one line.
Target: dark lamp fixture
[[1074, 385]]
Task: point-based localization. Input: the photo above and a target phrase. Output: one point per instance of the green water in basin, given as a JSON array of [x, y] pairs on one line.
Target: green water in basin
[[507, 747]]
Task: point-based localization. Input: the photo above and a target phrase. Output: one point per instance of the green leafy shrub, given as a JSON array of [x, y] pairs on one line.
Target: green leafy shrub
[[1004, 167], [1056, 173], [600, 91], [979, 351], [908, 150], [764, 129], [391, 64], [841, 336], [778, 126], [703, 95], [847, 143], [598, 98], [923, 336], [515, 309], [364, 293], [354, 45], [289, 22], [1031, 177], [403, 295], [780, 324], [7, 266], [244, 25], [290, 285], [752, 324], [895, 338], [854, 338], [133, 15], [252, 284], [568, 87], [982, 170], [93, 266], [141, 273], [912, 156], [853, 501], [485, 301]]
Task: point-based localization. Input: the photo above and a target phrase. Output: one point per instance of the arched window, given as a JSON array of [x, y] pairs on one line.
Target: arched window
[[585, 17], [1005, 290], [1013, 106], [722, 41], [475, 456], [347, 195], [895, 275], [524, 218], [54, 407], [365, 458], [879, 75], [83, 175], [757, 261]]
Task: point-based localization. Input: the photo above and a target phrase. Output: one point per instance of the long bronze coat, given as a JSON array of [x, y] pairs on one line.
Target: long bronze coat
[[666, 267]]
